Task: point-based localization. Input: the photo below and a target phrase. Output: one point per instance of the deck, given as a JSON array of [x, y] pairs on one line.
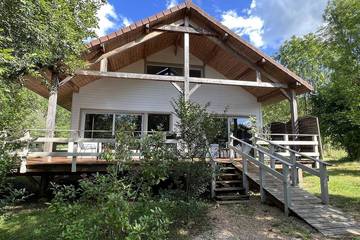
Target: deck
[[328, 220]]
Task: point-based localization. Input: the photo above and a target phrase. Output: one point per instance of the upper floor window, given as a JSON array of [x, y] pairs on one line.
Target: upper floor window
[[172, 70]]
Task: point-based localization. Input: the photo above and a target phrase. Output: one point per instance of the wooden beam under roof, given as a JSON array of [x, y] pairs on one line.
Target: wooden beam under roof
[[183, 29], [162, 78], [135, 43]]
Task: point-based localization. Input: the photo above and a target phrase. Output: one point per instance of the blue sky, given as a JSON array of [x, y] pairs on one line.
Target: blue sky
[[264, 23]]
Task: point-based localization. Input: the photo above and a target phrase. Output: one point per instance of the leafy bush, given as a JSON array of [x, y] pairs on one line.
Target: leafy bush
[[101, 208]]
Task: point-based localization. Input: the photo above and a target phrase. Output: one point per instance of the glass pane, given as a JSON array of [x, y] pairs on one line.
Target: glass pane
[[195, 73], [222, 136], [240, 127], [163, 70], [159, 122], [98, 125], [172, 71], [127, 120]]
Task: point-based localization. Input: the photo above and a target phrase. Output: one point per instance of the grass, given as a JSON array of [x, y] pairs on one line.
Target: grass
[[24, 223], [344, 183]]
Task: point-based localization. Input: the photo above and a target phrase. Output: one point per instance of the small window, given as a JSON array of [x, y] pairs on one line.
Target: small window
[[98, 125], [172, 71], [158, 122]]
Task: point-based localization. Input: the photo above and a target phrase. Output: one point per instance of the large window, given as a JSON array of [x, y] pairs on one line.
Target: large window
[[172, 70], [159, 122], [105, 125]]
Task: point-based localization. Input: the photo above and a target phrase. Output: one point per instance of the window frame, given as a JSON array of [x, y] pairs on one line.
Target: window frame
[[161, 64], [144, 118]]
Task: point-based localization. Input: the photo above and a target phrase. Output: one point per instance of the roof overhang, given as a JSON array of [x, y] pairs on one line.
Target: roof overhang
[[214, 44]]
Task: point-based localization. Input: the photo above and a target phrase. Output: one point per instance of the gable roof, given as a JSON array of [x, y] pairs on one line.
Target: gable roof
[[206, 50]]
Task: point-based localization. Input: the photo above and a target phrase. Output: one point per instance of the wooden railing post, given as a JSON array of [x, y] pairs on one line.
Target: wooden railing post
[[324, 184], [231, 144], [316, 150], [294, 172], [213, 178], [261, 177], [287, 196], [272, 160], [245, 169]]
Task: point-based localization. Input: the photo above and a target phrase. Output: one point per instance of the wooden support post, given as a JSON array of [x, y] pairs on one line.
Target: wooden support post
[[75, 148], [316, 150], [324, 184], [294, 173], [294, 112], [245, 170], [262, 177], [186, 62], [51, 112], [104, 65], [213, 178], [44, 182], [287, 200]]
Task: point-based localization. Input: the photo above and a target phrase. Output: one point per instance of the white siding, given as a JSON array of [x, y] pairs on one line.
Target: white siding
[[148, 96]]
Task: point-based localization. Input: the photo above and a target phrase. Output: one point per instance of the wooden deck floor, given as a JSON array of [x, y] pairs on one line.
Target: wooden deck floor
[[328, 220]]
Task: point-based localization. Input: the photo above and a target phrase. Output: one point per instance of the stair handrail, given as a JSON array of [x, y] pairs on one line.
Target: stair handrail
[[321, 172], [284, 176], [262, 150]]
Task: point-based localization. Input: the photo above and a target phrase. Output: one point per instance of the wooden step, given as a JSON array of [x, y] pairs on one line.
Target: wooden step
[[227, 168], [224, 189], [231, 201], [232, 197], [228, 175], [228, 181]]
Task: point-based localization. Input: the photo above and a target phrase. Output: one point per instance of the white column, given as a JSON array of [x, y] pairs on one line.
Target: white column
[[294, 112], [186, 91]]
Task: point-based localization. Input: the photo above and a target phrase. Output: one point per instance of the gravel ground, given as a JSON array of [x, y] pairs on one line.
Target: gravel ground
[[252, 220]]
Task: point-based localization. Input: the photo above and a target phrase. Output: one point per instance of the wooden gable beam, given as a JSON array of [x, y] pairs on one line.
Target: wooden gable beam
[[134, 43], [164, 78], [183, 29], [232, 51]]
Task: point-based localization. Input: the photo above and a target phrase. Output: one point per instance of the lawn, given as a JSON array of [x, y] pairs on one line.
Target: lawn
[[344, 183]]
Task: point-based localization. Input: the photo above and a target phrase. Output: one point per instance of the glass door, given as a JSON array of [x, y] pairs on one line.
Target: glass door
[[240, 128]]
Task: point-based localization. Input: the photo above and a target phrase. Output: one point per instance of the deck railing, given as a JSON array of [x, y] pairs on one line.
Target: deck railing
[[257, 155], [320, 172], [74, 146]]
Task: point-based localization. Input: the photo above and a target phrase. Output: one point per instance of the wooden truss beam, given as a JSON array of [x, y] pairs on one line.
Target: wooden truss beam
[[183, 29], [227, 47], [162, 78], [135, 43]]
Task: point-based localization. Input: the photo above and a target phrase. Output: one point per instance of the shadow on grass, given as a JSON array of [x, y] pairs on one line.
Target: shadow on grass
[[342, 160], [26, 225]]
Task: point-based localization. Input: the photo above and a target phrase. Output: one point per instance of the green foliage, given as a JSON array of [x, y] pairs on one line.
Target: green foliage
[[45, 34], [330, 60], [101, 208]]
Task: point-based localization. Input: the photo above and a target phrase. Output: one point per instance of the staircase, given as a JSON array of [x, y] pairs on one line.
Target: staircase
[[228, 184]]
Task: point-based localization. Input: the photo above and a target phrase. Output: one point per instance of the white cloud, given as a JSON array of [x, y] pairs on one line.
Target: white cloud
[[285, 18], [268, 23], [125, 21], [171, 3], [252, 26], [107, 19]]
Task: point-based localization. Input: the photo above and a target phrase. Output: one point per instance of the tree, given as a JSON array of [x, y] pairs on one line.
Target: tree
[[338, 103], [46, 34]]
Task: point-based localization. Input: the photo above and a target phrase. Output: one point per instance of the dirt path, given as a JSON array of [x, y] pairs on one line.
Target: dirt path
[[254, 221]]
